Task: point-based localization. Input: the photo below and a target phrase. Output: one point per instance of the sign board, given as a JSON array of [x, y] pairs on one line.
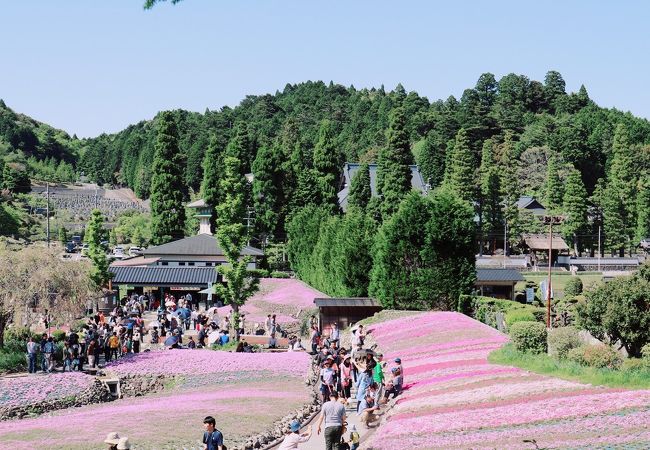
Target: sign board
[[184, 288], [530, 295], [210, 292]]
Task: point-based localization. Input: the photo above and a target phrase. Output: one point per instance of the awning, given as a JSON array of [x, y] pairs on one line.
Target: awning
[[362, 302]]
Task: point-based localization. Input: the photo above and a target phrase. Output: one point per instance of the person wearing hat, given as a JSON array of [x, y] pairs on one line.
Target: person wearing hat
[[395, 385], [327, 378], [124, 444], [112, 439], [294, 438], [333, 414], [398, 361]]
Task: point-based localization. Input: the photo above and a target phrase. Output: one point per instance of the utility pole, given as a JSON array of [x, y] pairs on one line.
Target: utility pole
[[550, 220], [598, 248], [47, 193], [505, 242], [96, 187]]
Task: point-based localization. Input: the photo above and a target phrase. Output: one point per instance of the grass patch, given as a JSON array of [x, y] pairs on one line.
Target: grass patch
[[387, 314], [12, 360], [546, 365], [560, 280]]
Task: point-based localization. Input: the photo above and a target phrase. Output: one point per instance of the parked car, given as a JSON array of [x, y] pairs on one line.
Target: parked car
[[84, 249], [135, 251], [104, 245], [70, 247], [76, 240], [118, 251]]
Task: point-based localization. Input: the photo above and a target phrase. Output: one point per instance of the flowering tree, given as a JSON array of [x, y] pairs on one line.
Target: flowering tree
[[35, 279]]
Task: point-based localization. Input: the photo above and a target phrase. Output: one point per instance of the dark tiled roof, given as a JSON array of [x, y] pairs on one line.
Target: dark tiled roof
[[498, 275], [199, 245], [358, 301], [164, 276]]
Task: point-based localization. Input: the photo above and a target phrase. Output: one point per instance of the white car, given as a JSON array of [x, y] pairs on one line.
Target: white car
[[135, 251], [118, 251]]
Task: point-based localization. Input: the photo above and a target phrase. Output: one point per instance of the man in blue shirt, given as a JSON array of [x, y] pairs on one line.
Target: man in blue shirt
[[212, 438]]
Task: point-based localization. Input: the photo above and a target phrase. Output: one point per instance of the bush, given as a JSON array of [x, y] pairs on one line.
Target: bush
[[13, 361], [562, 340], [465, 304], [529, 336], [485, 309], [78, 325], [645, 352], [636, 365], [573, 287], [19, 334], [58, 335], [599, 356], [278, 274], [258, 273], [519, 315]]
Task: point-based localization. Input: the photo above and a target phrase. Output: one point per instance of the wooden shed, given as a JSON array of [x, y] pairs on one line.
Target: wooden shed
[[344, 311]]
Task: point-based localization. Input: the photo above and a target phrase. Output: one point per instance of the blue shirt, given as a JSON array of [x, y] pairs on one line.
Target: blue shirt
[[213, 440], [224, 339]]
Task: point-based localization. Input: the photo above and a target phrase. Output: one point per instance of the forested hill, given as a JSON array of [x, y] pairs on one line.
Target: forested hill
[[519, 127]]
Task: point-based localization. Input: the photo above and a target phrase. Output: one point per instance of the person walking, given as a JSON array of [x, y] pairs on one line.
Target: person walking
[[212, 438], [333, 415], [90, 352], [294, 438], [48, 351], [114, 344], [32, 351]]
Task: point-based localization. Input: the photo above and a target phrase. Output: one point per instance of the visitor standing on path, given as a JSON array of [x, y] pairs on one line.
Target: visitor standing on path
[[333, 414], [294, 438], [212, 438], [32, 350]]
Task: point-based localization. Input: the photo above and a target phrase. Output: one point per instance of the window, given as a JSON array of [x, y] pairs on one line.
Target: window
[[181, 263], [190, 263], [209, 264], [164, 263]]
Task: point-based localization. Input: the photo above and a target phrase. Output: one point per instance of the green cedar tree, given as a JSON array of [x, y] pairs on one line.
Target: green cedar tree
[[360, 191]]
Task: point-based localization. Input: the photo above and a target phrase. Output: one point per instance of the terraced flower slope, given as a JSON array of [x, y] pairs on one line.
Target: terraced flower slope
[[19, 391], [456, 399], [246, 393]]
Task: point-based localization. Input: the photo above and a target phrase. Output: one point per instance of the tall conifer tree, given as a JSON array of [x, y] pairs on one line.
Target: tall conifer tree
[[393, 171], [212, 165], [461, 175], [643, 208], [167, 209], [327, 162], [267, 189], [575, 207], [360, 192], [510, 189], [490, 188], [553, 189], [99, 273]]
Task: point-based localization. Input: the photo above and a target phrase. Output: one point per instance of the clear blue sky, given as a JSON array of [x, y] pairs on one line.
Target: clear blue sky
[[93, 66]]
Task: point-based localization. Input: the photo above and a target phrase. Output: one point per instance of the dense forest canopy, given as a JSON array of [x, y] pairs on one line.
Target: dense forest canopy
[[522, 128]]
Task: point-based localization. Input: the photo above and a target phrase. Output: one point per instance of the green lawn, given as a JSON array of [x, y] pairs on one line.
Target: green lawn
[[560, 280], [546, 365]]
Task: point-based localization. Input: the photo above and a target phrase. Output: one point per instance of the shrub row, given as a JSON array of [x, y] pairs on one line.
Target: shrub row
[[263, 273], [485, 310]]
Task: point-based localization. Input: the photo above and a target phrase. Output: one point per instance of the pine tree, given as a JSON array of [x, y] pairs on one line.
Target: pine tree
[[327, 163], [553, 186], [431, 159], [167, 185], [63, 235], [490, 188], [574, 206], [95, 232], [510, 190], [267, 189], [232, 236], [393, 171], [643, 209], [619, 204], [461, 175], [212, 164], [360, 192]]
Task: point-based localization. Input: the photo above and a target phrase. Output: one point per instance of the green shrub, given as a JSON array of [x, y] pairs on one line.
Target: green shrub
[[258, 273], [529, 336], [645, 352], [13, 361], [77, 326], [636, 365], [519, 315], [20, 334], [599, 356], [465, 304], [485, 309], [562, 340], [58, 335], [278, 274], [573, 287]]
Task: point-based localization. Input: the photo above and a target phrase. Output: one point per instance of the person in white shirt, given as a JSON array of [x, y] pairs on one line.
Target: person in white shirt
[[292, 440]]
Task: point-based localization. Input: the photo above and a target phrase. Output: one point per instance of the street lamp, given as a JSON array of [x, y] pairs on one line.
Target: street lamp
[[550, 221]]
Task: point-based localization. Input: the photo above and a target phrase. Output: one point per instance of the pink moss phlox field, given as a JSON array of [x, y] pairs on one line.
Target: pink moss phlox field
[[457, 399], [200, 362], [36, 388], [278, 296]]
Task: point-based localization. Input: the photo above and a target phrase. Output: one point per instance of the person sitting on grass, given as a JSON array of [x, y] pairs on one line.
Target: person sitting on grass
[[395, 385]]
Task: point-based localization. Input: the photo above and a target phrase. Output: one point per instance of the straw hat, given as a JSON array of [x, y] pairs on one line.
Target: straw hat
[[124, 444], [112, 438]]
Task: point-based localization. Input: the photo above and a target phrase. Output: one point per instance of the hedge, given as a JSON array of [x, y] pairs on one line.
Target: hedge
[[278, 274], [485, 309], [599, 356], [529, 337], [258, 273], [562, 340]]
